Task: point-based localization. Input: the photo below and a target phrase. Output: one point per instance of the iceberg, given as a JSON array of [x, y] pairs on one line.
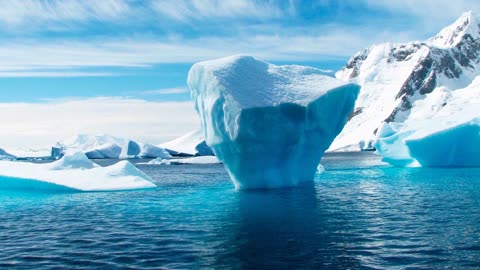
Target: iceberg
[[458, 146], [190, 144], [105, 151], [105, 146], [442, 131], [427, 145], [94, 146], [73, 172], [6, 156], [153, 151], [146, 150], [268, 124]]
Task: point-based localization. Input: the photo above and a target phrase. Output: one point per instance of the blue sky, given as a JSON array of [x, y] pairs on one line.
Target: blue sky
[[55, 51], [60, 49]]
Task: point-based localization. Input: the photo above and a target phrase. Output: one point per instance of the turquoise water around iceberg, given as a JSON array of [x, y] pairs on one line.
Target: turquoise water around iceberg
[[358, 214]]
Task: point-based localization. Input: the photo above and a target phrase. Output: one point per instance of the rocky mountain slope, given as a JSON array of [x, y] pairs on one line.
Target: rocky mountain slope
[[395, 76]]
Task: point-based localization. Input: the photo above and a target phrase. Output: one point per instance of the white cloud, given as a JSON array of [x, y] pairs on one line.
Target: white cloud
[[166, 91], [66, 56], [31, 125], [192, 10], [14, 12], [329, 41]]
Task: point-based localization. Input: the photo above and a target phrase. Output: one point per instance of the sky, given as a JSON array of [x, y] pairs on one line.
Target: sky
[[120, 66]]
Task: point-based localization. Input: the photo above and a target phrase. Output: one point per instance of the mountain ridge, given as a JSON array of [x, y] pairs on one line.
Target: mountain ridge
[[394, 76]]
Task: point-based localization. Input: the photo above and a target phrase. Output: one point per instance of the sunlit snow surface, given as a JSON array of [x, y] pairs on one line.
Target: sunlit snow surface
[[74, 172], [269, 124], [186, 161], [190, 144]]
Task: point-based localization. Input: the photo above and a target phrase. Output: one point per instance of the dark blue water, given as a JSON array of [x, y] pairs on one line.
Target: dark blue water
[[359, 214]]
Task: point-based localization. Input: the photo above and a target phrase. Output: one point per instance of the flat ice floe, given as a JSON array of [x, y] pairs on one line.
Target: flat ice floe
[[185, 161], [73, 172]]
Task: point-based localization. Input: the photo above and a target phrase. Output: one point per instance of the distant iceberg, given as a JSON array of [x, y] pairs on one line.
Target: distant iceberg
[[74, 172], [146, 150], [269, 125], [105, 151], [6, 156], [105, 146], [190, 144]]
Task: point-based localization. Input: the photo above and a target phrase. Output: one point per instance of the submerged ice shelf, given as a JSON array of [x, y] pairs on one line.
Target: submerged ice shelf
[[73, 172], [269, 125]]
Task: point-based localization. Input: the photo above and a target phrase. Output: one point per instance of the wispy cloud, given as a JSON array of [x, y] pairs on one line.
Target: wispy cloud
[[18, 13], [39, 124], [14, 13], [142, 53], [183, 31], [194, 10]]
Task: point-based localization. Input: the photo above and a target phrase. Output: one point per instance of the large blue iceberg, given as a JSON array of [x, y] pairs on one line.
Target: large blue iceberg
[[430, 144], [269, 125], [443, 130]]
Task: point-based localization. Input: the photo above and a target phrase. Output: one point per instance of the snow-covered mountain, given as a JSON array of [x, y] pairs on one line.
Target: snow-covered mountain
[[395, 77]]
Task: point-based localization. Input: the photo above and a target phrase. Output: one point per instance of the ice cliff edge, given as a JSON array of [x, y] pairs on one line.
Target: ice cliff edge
[[268, 124]]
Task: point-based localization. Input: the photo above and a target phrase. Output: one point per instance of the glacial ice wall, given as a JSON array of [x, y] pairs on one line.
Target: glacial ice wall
[[269, 125]]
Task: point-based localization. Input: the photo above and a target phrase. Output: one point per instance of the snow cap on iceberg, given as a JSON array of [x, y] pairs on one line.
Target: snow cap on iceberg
[[268, 124], [73, 160]]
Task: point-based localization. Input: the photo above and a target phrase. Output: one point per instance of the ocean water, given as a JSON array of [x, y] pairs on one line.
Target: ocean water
[[359, 214]]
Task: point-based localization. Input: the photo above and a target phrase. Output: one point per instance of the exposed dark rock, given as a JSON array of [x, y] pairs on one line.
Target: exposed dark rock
[[356, 112], [448, 62]]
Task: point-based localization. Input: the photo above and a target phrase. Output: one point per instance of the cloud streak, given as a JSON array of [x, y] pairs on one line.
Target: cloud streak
[[14, 13], [194, 10], [187, 31], [18, 13], [36, 56]]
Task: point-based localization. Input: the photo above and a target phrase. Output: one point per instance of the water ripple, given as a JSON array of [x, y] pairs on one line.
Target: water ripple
[[360, 214]]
